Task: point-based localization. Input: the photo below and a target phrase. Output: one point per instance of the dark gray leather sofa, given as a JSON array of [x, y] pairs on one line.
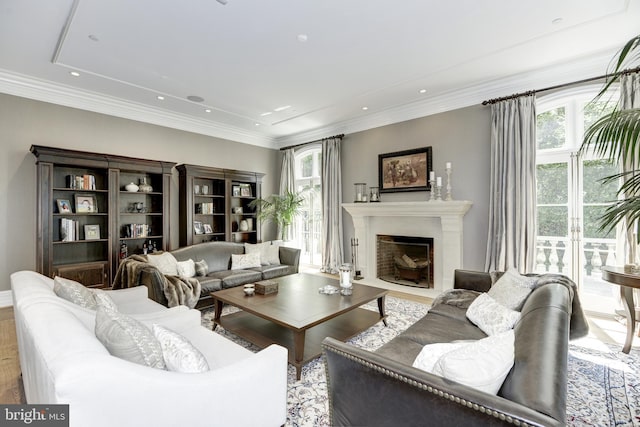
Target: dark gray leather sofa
[[218, 258], [382, 388]]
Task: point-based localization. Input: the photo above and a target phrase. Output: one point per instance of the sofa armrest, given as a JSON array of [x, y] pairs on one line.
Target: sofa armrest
[[153, 279], [472, 280], [290, 256], [121, 296], [369, 389]]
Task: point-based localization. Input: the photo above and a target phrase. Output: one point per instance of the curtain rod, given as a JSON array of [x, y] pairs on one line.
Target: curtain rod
[[311, 142], [531, 92]]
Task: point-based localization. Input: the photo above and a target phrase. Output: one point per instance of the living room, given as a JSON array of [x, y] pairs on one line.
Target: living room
[[454, 123]]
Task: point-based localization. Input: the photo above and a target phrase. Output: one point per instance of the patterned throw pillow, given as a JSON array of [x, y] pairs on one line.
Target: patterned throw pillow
[[241, 262], [202, 269], [74, 292], [128, 339], [482, 364], [103, 299], [260, 249], [178, 352], [491, 316], [272, 255], [186, 268], [512, 289]]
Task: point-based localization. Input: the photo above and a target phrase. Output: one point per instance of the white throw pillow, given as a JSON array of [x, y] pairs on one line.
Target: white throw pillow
[[512, 289], [482, 364], [186, 268], [128, 339], [178, 352], [259, 248], [272, 256], [491, 316], [103, 299], [243, 261], [74, 292], [165, 262], [430, 354]]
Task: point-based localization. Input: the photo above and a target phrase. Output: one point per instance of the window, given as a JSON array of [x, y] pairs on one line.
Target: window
[[308, 225]]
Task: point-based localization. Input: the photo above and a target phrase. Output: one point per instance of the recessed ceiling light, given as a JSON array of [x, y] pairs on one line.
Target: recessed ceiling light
[[207, 110], [302, 38], [74, 73], [365, 108], [160, 97], [266, 114], [422, 91], [556, 21], [93, 37], [223, 2], [257, 124], [195, 98], [282, 108]]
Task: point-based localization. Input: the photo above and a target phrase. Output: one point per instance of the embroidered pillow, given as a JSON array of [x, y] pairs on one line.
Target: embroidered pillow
[[165, 262], [244, 261], [128, 339], [74, 292], [491, 316], [512, 289], [202, 269], [260, 249], [186, 268], [178, 352], [482, 364], [103, 299]]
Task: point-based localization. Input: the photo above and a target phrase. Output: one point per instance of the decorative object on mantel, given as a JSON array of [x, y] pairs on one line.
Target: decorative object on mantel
[[354, 258], [405, 170], [439, 188], [144, 186], [447, 169], [360, 192], [346, 286], [131, 188], [374, 194], [432, 186]]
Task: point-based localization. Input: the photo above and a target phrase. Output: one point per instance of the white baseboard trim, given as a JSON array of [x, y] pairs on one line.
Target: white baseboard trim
[[6, 300]]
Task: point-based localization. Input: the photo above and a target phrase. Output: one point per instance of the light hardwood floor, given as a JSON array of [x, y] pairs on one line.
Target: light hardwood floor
[[11, 391]]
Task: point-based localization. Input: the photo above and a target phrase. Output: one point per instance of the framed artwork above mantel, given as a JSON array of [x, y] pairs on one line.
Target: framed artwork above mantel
[[406, 170]]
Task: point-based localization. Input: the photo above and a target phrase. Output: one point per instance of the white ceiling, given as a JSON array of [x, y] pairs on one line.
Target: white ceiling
[[245, 58]]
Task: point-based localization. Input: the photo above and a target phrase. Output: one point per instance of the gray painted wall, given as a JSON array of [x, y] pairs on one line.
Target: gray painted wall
[[25, 122], [461, 137]]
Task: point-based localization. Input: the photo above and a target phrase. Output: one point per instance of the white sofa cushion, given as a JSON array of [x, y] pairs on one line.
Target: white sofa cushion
[[244, 261], [186, 268], [491, 316], [165, 262], [178, 352], [430, 354], [128, 339], [512, 289], [74, 292], [259, 248]]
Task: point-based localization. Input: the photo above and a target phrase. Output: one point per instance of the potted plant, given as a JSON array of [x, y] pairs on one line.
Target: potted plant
[[616, 136], [279, 209]]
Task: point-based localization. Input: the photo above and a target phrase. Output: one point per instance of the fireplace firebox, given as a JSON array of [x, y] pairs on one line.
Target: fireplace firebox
[[405, 260]]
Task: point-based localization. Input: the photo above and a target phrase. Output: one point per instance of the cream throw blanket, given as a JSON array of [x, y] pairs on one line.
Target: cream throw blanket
[[136, 271]]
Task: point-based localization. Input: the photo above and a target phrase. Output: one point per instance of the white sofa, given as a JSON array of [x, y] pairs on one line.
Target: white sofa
[[63, 362]]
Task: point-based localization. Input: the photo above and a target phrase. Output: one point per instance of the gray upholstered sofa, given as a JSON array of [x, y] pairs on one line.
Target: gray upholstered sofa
[[217, 256], [382, 388]]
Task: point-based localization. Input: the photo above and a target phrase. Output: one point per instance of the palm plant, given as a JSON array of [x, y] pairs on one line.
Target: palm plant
[[616, 136], [279, 209]]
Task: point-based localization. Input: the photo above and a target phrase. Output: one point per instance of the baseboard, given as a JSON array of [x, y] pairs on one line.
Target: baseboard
[[6, 300]]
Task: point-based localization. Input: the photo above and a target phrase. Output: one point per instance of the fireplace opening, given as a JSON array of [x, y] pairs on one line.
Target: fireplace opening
[[405, 260]]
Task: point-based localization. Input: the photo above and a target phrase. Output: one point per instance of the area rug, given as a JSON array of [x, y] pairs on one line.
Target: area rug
[[603, 386]]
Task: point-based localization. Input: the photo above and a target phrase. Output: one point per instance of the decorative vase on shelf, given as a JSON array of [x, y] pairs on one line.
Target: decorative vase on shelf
[[244, 226], [144, 187], [132, 188]]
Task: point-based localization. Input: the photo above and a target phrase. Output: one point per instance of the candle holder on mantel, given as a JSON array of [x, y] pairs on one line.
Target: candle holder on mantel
[[432, 184], [448, 171], [360, 192]]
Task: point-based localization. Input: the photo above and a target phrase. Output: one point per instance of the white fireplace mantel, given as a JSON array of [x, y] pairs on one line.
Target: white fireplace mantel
[[440, 220]]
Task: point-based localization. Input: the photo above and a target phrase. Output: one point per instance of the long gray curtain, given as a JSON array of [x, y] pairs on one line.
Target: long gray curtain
[[511, 239], [288, 184], [630, 98], [331, 206]]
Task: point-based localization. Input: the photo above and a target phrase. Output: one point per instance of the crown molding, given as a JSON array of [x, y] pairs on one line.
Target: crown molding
[[41, 90], [587, 67]]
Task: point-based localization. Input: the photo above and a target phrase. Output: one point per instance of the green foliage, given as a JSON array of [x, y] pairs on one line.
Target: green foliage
[[279, 209], [550, 129]]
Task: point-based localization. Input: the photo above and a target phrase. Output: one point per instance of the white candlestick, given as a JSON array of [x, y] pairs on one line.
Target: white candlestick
[[432, 176], [447, 165], [439, 181]]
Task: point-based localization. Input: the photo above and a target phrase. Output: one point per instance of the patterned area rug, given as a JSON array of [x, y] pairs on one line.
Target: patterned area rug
[[603, 386]]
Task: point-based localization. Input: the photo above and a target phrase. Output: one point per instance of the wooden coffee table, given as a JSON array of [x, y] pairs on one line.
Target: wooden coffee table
[[299, 317]]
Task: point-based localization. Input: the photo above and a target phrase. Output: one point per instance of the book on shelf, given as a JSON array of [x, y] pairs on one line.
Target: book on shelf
[[81, 182], [68, 230], [137, 230], [204, 208]]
